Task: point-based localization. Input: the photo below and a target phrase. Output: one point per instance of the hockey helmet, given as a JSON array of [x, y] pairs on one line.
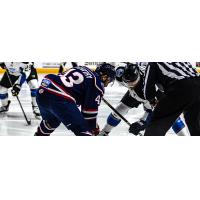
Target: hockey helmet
[[131, 75], [108, 70]]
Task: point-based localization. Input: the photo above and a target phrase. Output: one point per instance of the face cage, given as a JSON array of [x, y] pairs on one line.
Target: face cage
[[131, 84]]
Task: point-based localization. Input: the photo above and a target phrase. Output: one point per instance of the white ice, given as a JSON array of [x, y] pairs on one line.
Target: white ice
[[13, 123]]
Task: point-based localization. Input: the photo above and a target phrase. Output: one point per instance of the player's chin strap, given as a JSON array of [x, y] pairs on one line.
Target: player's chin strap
[[121, 116], [28, 121]]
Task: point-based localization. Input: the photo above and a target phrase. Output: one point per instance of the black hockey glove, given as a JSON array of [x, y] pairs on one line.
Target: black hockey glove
[[2, 65], [136, 127], [16, 89], [154, 102]]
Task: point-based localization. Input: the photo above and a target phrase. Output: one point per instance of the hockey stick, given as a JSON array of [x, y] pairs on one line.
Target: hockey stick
[[112, 108], [121, 116], [28, 121]]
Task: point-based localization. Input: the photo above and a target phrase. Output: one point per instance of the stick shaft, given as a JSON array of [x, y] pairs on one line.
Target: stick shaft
[[122, 117]]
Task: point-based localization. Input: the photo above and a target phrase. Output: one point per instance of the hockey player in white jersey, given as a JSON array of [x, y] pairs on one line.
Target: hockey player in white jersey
[[64, 66], [130, 76], [15, 75]]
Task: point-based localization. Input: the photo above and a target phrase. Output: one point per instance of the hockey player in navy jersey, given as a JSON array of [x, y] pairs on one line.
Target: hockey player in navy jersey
[[60, 95], [130, 76], [181, 83]]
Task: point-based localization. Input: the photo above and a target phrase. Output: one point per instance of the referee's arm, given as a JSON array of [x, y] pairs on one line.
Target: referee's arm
[[150, 83]]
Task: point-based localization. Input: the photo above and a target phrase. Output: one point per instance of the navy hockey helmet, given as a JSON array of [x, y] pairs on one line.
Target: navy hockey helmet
[[106, 69], [131, 75]]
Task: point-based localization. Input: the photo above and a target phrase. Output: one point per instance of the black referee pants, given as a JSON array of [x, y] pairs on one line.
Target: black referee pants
[[181, 97]]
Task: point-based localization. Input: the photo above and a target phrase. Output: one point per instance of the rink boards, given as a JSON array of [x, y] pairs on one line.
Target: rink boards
[[55, 70]]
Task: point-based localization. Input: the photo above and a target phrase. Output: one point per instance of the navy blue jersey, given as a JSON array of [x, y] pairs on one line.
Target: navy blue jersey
[[79, 85]]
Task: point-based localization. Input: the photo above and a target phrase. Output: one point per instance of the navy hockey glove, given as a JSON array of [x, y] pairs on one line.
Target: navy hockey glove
[[16, 89], [136, 127]]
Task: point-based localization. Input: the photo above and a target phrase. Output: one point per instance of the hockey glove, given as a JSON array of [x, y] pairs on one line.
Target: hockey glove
[[154, 102], [16, 89], [95, 131], [2, 65], [136, 127]]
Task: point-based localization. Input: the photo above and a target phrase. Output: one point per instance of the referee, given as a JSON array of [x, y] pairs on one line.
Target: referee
[[181, 84]]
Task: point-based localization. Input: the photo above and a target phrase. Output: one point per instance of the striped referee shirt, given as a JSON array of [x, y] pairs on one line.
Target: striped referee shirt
[[164, 74]]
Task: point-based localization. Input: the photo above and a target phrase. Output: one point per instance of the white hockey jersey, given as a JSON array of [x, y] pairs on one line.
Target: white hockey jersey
[[17, 68]]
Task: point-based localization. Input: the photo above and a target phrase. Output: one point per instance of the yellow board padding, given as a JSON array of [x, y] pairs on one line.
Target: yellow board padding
[[47, 70], [2, 71], [41, 70]]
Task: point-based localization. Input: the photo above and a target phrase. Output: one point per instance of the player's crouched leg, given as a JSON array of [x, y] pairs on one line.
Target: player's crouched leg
[[71, 117], [46, 128]]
